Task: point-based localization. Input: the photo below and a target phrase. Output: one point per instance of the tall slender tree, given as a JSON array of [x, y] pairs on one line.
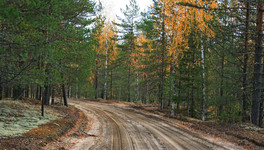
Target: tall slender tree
[[128, 26], [256, 101]]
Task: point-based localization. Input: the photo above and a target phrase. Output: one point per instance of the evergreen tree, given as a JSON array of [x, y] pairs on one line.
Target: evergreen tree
[[128, 26]]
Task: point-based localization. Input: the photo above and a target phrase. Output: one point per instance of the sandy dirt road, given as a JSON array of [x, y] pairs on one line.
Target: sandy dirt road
[[119, 128]]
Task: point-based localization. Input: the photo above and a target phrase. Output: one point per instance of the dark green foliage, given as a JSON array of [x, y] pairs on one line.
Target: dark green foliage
[[129, 32], [49, 48], [45, 43]]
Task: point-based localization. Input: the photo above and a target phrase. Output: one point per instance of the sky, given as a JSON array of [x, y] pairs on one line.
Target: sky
[[112, 7]]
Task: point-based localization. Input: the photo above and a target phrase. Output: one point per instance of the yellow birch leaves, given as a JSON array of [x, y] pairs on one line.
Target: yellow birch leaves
[[182, 16], [106, 41], [106, 44]]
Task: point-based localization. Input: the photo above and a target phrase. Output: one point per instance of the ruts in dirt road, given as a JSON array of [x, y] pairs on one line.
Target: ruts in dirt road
[[113, 127]]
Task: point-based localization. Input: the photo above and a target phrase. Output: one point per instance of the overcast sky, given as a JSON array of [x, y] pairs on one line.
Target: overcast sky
[[112, 7]]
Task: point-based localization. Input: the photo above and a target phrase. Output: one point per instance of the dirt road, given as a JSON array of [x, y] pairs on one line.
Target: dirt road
[[118, 128]]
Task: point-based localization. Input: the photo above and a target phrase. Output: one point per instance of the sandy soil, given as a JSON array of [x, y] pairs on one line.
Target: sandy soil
[[120, 128]]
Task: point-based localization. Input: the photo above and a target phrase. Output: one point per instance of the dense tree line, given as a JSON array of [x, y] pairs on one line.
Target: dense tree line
[[45, 47], [196, 58]]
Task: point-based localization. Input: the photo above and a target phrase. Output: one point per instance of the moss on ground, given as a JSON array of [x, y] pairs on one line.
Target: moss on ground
[[17, 117], [26, 115]]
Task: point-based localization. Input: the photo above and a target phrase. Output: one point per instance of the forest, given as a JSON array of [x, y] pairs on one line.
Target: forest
[[196, 58]]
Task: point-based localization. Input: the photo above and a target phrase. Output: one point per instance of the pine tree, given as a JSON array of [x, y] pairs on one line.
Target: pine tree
[[128, 27], [257, 109], [44, 40]]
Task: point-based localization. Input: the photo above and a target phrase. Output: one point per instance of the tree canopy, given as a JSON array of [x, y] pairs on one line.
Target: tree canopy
[[197, 58]]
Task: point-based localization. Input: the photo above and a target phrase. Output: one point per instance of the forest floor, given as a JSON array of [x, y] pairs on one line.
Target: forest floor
[[100, 124], [22, 126]]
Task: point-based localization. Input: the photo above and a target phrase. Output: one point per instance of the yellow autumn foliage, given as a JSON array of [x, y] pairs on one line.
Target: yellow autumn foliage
[[106, 44], [180, 19]]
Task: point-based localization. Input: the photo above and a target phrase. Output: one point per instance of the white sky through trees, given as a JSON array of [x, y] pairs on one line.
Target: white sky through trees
[[112, 7]]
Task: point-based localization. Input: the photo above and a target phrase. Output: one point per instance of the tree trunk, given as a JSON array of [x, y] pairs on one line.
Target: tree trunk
[[173, 100], [37, 92], [40, 93], [255, 111], [32, 90], [79, 91], [128, 84], [261, 109], [173, 74], [105, 74], [96, 86], [245, 65], [111, 85], [1, 91], [192, 90], [64, 94], [162, 73], [27, 91], [137, 86], [179, 95], [148, 95], [7, 92], [170, 97], [52, 96], [261, 105], [188, 97], [161, 95], [120, 93], [96, 79], [42, 108], [46, 96], [192, 101], [69, 91], [221, 87], [203, 84], [76, 88]]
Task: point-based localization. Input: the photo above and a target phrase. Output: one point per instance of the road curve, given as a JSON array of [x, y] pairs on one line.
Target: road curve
[[119, 128], [113, 127]]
